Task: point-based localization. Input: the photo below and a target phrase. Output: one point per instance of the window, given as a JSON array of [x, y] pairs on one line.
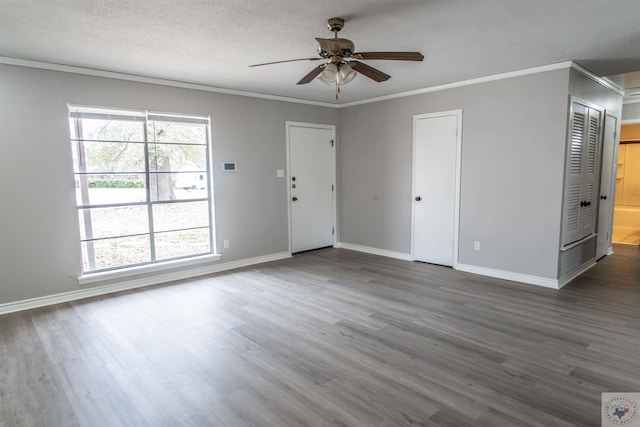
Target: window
[[143, 186]]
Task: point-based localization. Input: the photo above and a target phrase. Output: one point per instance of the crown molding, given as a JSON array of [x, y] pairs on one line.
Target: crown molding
[[486, 79], [602, 81], [153, 80], [494, 77], [173, 83]]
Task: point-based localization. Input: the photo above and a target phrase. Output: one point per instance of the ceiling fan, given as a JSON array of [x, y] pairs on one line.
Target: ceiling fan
[[342, 67]]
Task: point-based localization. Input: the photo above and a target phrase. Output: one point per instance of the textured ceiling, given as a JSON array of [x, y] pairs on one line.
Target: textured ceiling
[[212, 42]]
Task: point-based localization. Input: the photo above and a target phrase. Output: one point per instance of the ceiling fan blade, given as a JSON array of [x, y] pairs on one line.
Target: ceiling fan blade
[[288, 60], [395, 56], [372, 73], [312, 75]]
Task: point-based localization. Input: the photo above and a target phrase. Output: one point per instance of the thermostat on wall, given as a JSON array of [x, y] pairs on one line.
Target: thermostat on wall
[[229, 166]]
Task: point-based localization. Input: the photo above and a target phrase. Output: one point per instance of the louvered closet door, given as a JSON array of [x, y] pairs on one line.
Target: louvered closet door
[[581, 174], [573, 179]]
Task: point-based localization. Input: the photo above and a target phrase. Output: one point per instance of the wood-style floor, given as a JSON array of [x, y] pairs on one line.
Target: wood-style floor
[[626, 236], [329, 338]]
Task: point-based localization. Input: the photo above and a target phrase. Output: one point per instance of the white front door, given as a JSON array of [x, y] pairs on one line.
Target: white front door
[[311, 185], [436, 160], [605, 211]]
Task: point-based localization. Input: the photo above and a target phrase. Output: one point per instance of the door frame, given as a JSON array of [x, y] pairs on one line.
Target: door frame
[[612, 185], [332, 128], [456, 205]]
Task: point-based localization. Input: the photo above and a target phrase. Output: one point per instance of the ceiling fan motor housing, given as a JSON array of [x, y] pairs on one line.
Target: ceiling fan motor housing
[[343, 47]]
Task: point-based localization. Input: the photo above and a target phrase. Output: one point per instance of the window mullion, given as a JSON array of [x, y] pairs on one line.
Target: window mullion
[[209, 186], [84, 191], [152, 246]]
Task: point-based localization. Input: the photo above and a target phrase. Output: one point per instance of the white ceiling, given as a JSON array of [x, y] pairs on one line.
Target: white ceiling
[[212, 42]]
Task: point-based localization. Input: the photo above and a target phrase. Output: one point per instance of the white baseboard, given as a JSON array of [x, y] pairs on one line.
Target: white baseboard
[[375, 251], [610, 251], [508, 275], [136, 283], [499, 274], [525, 278], [566, 279]]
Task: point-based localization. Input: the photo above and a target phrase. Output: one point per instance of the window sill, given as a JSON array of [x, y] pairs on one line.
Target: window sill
[[103, 276]]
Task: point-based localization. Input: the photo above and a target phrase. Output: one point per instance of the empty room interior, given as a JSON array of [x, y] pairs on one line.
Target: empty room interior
[[362, 213]]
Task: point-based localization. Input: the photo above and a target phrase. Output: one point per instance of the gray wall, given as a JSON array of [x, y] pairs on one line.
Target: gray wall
[[513, 146], [631, 111], [39, 251]]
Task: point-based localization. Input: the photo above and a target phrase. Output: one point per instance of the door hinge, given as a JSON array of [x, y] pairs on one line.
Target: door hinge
[[615, 135], [331, 142], [331, 187], [333, 231]]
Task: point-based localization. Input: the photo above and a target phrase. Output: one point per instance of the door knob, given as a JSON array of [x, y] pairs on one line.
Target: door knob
[[293, 178], [294, 198], [603, 197], [418, 198]]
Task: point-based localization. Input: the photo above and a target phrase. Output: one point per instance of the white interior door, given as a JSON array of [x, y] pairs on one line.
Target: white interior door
[[607, 191], [436, 153], [311, 186]]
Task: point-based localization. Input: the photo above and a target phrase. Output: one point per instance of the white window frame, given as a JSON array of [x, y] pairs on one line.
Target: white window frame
[[92, 276]]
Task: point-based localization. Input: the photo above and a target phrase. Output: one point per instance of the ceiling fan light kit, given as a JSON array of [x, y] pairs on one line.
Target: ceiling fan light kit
[[346, 74], [329, 74], [338, 71], [337, 74]]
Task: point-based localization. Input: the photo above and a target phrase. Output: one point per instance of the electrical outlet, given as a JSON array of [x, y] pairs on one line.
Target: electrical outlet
[[476, 245], [225, 244]]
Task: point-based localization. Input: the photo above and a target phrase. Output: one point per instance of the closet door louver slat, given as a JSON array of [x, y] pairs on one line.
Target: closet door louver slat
[[577, 136]]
